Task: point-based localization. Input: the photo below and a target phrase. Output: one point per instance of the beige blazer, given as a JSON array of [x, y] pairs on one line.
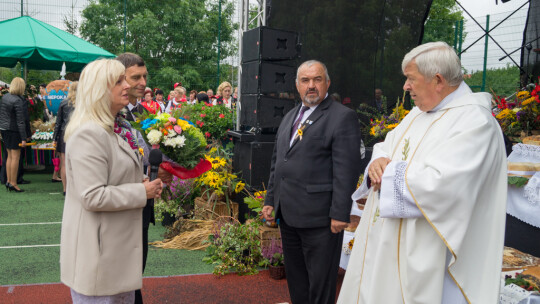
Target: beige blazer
[[100, 250]]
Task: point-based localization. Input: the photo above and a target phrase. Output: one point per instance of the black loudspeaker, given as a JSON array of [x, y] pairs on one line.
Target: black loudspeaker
[[265, 43], [253, 160], [267, 77], [264, 112]]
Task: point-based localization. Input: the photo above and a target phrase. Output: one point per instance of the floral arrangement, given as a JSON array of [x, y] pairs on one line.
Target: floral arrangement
[[524, 281], [42, 137], [272, 254], [44, 131], [220, 180], [213, 120], [347, 248], [234, 247], [381, 126], [177, 138], [176, 198], [255, 201], [519, 112]]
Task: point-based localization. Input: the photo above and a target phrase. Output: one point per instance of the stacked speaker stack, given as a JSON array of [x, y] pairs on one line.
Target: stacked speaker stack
[[267, 91]]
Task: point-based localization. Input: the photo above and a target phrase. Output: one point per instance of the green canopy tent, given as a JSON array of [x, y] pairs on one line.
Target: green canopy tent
[[40, 46]]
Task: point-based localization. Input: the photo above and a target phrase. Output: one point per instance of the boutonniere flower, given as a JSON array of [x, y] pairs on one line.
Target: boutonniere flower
[[141, 151], [300, 131]]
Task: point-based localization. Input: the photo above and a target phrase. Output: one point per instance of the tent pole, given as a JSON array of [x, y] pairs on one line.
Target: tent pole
[[25, 76]]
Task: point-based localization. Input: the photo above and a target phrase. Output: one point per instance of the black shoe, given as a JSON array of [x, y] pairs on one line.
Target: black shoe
[[56, 180], [24, 182], [12, 188]]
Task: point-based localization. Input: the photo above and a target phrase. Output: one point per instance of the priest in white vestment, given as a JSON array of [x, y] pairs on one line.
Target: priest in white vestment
[[432, 230]]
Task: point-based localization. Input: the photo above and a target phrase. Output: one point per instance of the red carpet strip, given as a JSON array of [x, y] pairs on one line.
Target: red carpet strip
[[193, 289]]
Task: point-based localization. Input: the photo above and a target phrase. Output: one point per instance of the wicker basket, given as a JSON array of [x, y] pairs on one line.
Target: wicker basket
[[267, 234], [276, 272], [207, 211]]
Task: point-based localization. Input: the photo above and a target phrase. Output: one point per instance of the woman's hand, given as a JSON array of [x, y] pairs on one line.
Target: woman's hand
[[153, 188], [23, 143]]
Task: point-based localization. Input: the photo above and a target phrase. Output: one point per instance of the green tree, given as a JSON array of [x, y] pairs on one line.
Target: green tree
[[175, 38], [35, 77], [502, 81], [441, 22]]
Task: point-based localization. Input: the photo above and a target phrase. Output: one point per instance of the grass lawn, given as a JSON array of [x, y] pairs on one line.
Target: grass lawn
[[30, 235]]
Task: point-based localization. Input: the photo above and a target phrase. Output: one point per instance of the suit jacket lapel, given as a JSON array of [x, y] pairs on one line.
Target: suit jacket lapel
[[319, 111], [127, 149]]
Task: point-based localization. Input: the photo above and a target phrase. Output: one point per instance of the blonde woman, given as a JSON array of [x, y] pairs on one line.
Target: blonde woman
[[100, 247], [64, 112], [224, 92], [179, 98], [13, 129]]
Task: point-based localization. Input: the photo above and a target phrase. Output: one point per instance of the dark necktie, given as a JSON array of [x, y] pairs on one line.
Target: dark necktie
[[298, 120]]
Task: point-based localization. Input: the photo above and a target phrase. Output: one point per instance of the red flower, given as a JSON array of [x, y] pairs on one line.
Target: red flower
[[202, 124], [197, 122], [203, 115], [207, 134], [186, 117], [202, 108], [221, 115]]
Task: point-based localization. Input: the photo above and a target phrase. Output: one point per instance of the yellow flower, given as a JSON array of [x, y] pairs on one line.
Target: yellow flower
[[183, 124], [506, 114], [216, 162], [523, 94], [260, 194], [391, 126], [239, 187], [141, 151], [527, 101]]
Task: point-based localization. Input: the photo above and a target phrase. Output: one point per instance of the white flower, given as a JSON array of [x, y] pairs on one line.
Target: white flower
[[180, 141], [154, 137], [175, 142]]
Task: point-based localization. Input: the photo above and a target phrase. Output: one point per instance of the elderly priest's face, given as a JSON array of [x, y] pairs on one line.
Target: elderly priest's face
[[423, 91]]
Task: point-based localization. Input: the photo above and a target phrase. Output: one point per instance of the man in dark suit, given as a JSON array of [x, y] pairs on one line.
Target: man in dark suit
[[136, 76], [314, 171]]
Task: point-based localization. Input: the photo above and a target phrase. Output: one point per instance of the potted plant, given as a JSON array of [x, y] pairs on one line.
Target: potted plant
[[214, 121], [176, 201], [234, 247], [273, 259], [219, 184], [518, 114]]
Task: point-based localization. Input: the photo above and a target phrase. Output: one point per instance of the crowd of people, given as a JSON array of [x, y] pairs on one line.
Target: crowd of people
[[16, 130], [155, 102], [434, 186]]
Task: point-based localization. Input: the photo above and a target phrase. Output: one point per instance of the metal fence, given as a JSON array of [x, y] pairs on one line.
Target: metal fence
[[482, 57], [481, 60]]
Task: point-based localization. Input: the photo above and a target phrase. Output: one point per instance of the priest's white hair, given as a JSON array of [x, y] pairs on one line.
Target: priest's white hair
[[435, 57]]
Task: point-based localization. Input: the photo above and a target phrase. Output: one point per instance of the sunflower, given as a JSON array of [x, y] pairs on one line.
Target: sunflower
[[239, 187]]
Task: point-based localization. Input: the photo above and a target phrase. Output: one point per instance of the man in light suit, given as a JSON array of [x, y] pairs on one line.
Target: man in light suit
[[314, 171]]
